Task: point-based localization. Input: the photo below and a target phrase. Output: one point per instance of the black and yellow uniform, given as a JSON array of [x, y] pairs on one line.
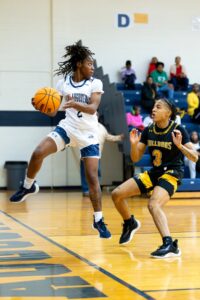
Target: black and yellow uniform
[[166, 158]]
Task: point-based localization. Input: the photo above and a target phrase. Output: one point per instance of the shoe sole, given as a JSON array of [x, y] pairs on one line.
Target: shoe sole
[[26, 196], [132, 233], [170, 254], [102, 237]]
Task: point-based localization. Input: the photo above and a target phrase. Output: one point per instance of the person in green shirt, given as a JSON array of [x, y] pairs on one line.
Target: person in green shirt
[[160, 79]]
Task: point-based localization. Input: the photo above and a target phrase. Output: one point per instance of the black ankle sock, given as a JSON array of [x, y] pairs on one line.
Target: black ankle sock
[[129, 221], [167, 239]]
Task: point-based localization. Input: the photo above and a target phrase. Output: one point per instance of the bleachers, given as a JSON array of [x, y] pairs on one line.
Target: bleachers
[[120, 86], [191, 126], [133, 97], [186, 119], [189, 185], [180, 100]]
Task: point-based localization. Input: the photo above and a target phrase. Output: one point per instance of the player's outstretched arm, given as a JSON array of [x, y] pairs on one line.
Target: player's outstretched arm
[[137, 148]]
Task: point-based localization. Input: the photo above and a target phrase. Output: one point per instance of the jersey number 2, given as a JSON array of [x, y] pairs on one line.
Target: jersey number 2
[[79, 114], [158, 157]]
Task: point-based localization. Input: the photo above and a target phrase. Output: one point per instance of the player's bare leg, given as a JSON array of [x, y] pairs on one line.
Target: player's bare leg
[[91, 172], [155, 205], [131, 225], [45, 148], [156, 202]]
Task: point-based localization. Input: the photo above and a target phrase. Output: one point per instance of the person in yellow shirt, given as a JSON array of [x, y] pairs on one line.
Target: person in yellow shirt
[[193, 99]]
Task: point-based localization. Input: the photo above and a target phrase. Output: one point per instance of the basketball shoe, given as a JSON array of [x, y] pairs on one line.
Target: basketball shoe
[[169, 248], [102, 229], [23, 193], [129, 229]]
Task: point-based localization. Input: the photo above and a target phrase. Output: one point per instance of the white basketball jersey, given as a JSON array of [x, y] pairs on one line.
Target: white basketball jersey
[[81, 92]]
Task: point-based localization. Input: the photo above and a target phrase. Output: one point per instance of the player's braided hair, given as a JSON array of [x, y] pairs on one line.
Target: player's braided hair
[[74, 54], [171, 106]]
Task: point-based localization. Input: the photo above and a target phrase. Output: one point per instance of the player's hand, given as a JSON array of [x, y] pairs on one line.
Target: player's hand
[[177, 138], [121, 137], [69, 102], [33, 103], [135, 136]]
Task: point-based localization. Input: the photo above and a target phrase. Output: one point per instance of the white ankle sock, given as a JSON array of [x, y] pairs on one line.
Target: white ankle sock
[[98, 216], [28, 182]]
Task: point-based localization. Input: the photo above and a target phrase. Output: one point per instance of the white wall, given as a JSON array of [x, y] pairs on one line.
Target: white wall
[[168, 33], [33, 35]]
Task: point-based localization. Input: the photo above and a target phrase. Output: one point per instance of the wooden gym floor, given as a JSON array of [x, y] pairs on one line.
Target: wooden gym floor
[[48, 250]]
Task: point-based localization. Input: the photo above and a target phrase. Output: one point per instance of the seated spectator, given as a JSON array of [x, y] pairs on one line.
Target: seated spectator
[[148, 94], [196, 116], [178, 118], [178, 76], [161, 80], [128, 76], [152, 65], [193, 167], [193, 100], [134, 119], [148, 120]]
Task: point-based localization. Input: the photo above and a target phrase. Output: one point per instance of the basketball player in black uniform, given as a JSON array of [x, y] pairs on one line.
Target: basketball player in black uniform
[[167, 143]]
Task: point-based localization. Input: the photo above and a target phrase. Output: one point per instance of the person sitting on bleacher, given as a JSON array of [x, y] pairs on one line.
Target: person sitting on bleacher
[[152, 65], [178, 76], [193, 101], [160, 78], [194, 138], [148, 120], [148, 94], [134, 119], [128, 76]]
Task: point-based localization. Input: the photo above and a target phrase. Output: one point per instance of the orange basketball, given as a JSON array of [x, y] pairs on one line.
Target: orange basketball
[[47, 100]]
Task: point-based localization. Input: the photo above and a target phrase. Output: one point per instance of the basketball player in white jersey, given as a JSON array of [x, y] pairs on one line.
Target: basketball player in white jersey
[[82, 95]]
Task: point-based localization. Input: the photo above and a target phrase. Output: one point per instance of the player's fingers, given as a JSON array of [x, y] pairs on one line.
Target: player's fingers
[[133, 132], [33, 101], [177, 131]]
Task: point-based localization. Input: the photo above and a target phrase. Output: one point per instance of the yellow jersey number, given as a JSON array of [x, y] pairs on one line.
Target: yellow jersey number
[[158, 157]]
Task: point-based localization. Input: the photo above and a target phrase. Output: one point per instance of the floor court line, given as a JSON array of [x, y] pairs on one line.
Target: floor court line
[[171, 290], [110, 275]]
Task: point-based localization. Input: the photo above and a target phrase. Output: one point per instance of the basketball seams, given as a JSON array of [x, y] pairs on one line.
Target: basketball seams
[[50, 101], [47, 101], [57, 99], [39, 101], [38, 93]]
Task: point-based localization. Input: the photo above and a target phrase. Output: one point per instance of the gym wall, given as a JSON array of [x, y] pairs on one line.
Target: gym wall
[[33, 35]]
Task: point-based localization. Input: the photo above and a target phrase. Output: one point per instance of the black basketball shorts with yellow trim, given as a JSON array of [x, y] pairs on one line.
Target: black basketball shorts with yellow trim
[[168, 180]]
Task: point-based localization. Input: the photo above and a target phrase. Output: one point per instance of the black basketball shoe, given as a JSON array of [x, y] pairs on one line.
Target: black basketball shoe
[[129, 229], [102, 229], [23, 193], [169, 248]]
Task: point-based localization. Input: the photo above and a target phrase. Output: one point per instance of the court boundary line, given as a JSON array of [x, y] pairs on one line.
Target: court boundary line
[[171, 290], [81, 258]]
